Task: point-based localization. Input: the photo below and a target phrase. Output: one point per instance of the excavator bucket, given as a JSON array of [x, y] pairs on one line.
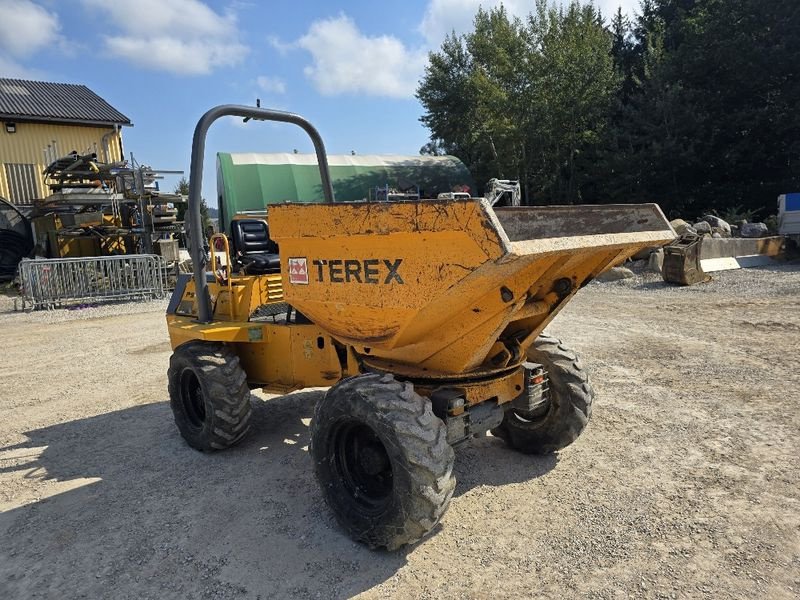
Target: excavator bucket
[[682, 261], [443, 288]]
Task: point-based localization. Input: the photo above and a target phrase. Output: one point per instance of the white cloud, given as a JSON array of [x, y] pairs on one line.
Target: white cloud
[[443, 16], [26, 28], [609, 7], [185, 37], [344, 60], [236, 122], [11, 68], [282, 47], [271, 85]]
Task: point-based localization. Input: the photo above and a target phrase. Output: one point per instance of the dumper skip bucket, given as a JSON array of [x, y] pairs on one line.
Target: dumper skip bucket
[[449, 287]]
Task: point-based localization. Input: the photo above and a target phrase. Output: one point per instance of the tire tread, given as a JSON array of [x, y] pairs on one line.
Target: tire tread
[[224, 386]]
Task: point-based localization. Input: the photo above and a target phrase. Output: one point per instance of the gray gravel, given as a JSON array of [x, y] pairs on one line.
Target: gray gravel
[[11, 313], [684, 485], [781, 278]]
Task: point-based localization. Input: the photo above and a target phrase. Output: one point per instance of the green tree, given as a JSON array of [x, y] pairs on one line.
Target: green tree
[[690, 103], [573, 83], [449, 96], [709, 123], [182, 188], [523, 100], [736, 61]]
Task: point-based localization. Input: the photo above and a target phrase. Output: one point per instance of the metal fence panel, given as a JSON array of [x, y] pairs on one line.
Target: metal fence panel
[[56, 282]]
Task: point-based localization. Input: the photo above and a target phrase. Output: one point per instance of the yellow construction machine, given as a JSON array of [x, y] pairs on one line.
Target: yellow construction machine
[[424, 318]]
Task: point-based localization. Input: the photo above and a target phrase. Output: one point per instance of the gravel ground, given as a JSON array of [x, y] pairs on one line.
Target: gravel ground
[[684, 485]]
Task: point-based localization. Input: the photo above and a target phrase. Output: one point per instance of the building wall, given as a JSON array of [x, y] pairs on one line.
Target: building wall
[[28, 146]]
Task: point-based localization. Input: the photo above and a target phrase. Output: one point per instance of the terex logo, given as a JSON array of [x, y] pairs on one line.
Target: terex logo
[[298, 271], [369, 270]]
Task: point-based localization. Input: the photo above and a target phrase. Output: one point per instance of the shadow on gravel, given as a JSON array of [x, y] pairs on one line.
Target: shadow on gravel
[[132, 512]]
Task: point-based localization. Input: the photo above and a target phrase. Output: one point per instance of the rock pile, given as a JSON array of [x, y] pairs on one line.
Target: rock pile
[[711, 225], [652, 259]]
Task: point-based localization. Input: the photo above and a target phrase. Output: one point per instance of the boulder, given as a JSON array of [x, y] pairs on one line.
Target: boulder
[[702, 227], [678, 224], [616, 274], [754, 230], [722, 232], [716, 235], [717, 223], [681, 227], [656, 262]]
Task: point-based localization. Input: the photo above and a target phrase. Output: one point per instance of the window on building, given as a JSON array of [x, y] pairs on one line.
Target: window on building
[[23, 183]]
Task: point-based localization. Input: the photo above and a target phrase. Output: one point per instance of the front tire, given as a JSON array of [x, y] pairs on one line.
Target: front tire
[[569, 408], [208, 395], [382, 460]]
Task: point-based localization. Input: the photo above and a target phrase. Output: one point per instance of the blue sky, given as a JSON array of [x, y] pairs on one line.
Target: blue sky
[[351, 68]]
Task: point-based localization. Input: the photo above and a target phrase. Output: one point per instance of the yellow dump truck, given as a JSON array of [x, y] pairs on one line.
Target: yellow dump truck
[[425, 319]]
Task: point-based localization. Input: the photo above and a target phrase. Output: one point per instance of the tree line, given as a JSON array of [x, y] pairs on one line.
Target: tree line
[[688, 103]]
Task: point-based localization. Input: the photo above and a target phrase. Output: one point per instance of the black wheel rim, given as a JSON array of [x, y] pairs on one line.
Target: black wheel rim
[[194, 406], [362, 465]]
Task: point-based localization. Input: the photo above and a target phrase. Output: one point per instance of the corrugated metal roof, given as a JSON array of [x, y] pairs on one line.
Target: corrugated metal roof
[[25, 100]]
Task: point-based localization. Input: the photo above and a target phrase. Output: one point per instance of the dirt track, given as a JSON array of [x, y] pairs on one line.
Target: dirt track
[[685, 484]]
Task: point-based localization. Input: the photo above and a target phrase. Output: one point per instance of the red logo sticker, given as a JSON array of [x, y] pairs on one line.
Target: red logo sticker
[[298, 271]]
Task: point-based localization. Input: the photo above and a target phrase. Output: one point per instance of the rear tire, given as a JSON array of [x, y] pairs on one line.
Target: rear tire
[[208, 395], [382, 460], [571, 397]]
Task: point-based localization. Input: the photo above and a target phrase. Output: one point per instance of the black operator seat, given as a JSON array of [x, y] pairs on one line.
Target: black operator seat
[[254, 250]]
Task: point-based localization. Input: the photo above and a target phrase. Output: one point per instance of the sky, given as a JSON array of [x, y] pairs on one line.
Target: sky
[[350, 68]]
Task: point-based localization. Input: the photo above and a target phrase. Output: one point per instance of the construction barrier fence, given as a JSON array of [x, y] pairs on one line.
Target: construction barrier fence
[[60, 282]]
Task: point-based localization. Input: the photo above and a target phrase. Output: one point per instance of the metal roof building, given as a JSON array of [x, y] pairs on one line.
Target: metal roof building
[[41, 121], [43, 102]]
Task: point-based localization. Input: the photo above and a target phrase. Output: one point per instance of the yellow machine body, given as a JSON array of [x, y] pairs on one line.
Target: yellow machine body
[[434, 291], [424, 319]]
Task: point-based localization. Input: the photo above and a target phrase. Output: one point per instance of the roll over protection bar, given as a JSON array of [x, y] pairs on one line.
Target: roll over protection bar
[[196, 181]]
